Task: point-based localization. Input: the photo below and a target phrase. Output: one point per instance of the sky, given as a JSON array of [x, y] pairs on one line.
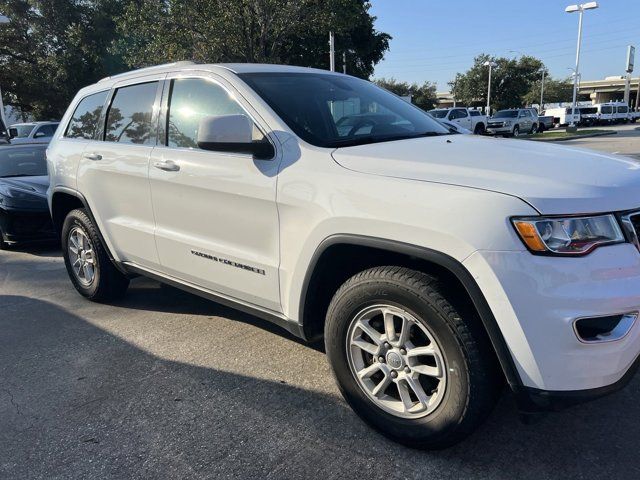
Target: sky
[[434, 39]]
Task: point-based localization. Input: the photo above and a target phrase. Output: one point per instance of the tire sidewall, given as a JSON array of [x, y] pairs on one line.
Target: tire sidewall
[[76, 220], [431, 428]]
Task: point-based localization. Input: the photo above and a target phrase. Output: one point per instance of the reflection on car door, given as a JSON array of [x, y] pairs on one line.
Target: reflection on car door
[[113, 171], [216, 214]]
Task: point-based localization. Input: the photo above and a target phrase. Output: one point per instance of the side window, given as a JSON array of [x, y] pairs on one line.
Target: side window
[[191, 100], [129, 119], [45, 131], [85, 118]]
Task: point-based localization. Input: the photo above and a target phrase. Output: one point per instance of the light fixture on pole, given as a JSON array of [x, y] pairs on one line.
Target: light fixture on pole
[[491, 64], [581, 8]]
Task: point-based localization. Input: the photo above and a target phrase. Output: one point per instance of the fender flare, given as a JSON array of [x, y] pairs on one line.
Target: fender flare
[[441, 259], [85, 203]]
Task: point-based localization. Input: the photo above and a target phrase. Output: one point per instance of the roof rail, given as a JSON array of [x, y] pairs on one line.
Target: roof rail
[[149, 69]]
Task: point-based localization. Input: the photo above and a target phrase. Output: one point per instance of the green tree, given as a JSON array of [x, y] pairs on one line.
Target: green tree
[[555, 91], [423, 96], [511, 80], [52, 48], [267, 31]]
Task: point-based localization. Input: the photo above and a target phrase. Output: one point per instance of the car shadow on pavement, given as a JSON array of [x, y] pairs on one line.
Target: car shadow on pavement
[[78, 401]]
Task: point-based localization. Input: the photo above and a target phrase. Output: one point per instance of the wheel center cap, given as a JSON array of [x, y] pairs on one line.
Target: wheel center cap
[[394, 360]]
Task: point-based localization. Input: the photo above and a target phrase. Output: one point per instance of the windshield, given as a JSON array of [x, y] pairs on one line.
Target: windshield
[[328, 110], [22, 161], [23, 130], [506, 114], [438, 113]]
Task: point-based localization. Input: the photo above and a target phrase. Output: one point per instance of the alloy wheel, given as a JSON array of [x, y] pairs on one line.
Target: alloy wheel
[[396, 361], [81, 256]]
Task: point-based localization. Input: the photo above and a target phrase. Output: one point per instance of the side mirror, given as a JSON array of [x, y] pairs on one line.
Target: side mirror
[[231, 133], [13, 132]]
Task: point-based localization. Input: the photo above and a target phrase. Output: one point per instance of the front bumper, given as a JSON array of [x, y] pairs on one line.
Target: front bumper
[[535, 300], [26, 226], [499, 130]]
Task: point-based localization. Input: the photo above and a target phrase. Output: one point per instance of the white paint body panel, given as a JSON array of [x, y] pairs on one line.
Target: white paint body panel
[[454, 195]]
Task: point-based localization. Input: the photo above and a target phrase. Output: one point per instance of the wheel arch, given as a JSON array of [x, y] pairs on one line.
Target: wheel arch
[[340, 256], [63, 201]]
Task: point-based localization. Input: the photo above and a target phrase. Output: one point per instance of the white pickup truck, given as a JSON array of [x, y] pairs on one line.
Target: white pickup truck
[[466, 117]]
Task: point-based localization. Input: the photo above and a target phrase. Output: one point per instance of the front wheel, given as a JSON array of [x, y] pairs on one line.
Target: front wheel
[[407, 361], [88, 265], [516, 131], [534, 129]]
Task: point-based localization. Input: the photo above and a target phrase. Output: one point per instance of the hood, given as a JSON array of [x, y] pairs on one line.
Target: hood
[[553, 179], [24, 192]]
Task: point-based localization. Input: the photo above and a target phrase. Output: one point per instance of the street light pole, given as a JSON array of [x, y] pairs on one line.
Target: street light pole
[[542, 90], [3, 21], [580, 9], [489, 64]]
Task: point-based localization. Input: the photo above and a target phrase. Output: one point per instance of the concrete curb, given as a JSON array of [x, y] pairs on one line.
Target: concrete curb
[[574, 137]]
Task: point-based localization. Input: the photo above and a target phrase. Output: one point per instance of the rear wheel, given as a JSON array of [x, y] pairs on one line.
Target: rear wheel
[[3, 244], [407, 361], [479, 130], [516, 131], [534, 129], [541, 128], [88, 265]]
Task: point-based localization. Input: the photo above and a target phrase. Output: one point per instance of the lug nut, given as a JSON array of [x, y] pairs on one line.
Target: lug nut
[[386, 345], [403, 351], [381, 359], [407, 370], [394, 374]]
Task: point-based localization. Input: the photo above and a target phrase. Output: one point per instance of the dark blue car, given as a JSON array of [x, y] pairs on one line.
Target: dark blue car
[[24, 213]]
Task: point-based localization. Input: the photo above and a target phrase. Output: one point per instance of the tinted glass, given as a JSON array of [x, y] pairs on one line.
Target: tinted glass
[[438, 113], [623, 109], [85, 119], [506, 114], [607, 109], [129, 119], [588, 111], [474, 113], [18, 161], [335, 111], [23, 130], [191, 100], [46, 131]]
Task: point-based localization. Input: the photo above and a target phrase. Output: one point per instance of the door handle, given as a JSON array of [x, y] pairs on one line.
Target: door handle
[[167, 165], [92, 156]]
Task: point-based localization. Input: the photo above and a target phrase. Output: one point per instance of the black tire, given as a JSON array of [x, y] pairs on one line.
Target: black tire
[[474, 379], [516, 131], [541, 128], [534, 129], [479, 130], [108, 283]]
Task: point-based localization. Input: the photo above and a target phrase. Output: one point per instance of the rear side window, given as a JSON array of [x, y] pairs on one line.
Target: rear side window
[[45, 131], [85, 118], [129, 119]]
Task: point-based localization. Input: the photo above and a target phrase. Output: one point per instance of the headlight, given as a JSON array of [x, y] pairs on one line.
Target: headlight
[[507, 123], [568, 236]]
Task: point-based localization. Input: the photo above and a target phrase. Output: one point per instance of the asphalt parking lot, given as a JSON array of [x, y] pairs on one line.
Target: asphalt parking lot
[[625, 142], [166, 385]]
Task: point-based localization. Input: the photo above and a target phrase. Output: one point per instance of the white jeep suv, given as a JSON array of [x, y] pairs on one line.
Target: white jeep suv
[[437, 267]]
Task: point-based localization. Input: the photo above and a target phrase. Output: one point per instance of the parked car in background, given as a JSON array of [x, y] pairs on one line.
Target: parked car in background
[[562, 116], [621, 114], [32, 132], [589, 115], [24, 213], [545, 122], [513, 122], [468, 118], [634, 115]]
